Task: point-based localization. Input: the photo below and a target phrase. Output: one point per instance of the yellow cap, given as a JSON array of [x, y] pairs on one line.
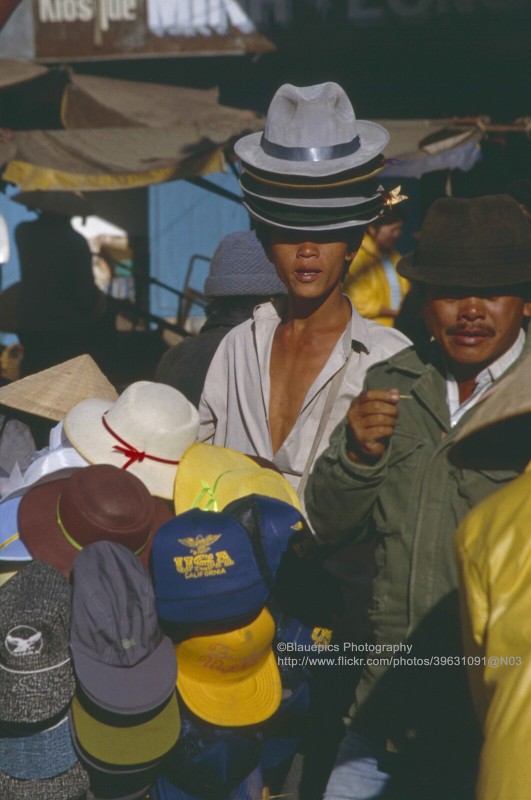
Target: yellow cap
[[210, 477], [231, 678]]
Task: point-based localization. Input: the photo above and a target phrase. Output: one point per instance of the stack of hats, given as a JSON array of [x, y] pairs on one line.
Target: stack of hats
[[13, 552], [37, 759], [209, 477], [315, 165], [124, 714]]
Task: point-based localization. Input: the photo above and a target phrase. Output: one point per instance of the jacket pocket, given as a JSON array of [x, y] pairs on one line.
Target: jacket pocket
[[398, 491]]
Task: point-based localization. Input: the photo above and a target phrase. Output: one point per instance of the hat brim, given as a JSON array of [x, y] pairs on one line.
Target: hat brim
[[346, 179], [128, 690], [462, 274], [85, 430], [72, 784], [373, 139], [279, 219], [199, 477], [114, 784], [508, 399], [41, 534], [123, 744], [12, 548], [323, 203], [52, 392], [246, 702], [335, 195], [41, 755]]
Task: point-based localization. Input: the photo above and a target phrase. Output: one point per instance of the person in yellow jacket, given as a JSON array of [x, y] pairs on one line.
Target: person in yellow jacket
[[494, 551], [372, 282]]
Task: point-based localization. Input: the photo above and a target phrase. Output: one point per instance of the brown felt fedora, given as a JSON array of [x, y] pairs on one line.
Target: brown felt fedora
[[479, 242], [97, 503]]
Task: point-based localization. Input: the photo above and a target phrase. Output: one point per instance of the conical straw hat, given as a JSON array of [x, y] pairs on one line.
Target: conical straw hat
[[54, 391]]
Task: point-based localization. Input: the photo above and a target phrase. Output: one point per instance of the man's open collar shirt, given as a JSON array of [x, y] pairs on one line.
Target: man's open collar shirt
[[235, 401]]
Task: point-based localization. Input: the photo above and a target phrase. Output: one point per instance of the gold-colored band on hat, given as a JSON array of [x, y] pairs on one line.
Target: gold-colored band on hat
[[303, 186]]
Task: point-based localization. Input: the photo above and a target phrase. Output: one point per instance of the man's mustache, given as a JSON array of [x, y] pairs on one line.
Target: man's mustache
[[470, 330]]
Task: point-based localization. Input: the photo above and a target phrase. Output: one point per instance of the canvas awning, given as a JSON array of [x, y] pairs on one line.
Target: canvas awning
[[172, 132]]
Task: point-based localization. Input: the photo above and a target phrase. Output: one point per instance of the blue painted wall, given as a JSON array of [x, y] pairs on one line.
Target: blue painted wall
[[13, 213], [187, 221]]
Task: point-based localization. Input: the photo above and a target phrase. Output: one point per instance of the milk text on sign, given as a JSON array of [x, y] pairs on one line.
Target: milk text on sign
[[84, 10]]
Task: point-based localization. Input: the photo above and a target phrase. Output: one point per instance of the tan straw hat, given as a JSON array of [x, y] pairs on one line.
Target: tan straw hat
[[145, 431], [54, 391]]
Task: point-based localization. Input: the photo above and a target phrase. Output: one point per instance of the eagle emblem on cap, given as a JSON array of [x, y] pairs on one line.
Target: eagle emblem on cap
[[24, 645], [199, 545]]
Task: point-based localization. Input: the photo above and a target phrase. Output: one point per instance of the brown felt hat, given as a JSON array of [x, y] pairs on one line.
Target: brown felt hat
[[479, 242], [99, 502]]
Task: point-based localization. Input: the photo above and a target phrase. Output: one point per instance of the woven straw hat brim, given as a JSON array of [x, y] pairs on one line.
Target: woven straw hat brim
[[373, 139], [84, 428], [54, 391]]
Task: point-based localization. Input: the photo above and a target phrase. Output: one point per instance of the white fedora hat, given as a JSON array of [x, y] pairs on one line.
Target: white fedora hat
[[312, 131], [146, 431]]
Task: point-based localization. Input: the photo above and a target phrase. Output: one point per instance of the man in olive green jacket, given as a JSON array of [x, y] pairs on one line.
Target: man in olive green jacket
[[387, 475]]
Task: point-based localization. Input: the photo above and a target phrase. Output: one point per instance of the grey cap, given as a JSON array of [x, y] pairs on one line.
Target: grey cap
[[240, 266], [122, 661], [36, 675]]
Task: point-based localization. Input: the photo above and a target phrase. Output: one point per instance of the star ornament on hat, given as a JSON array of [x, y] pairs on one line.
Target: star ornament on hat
[[231, 678], [145, 431], [59, 518]]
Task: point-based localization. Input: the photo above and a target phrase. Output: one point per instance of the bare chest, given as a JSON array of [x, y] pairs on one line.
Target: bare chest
[[294, 366]]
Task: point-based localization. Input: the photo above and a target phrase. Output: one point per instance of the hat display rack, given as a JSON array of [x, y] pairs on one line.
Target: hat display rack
[[139, 641]]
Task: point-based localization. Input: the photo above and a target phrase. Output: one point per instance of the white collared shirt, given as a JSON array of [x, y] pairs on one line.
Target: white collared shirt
[[484, 381], [234, 406]]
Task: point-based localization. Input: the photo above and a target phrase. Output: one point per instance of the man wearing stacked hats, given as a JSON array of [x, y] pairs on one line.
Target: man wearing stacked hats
[[388, 476], [280, 382]]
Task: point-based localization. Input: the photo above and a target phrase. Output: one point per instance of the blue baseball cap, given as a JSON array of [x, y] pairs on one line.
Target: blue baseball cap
[[40, 755], [205, 570], [284, 731], [208, 760], [12, 548], [269, 523], [250, 788]]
